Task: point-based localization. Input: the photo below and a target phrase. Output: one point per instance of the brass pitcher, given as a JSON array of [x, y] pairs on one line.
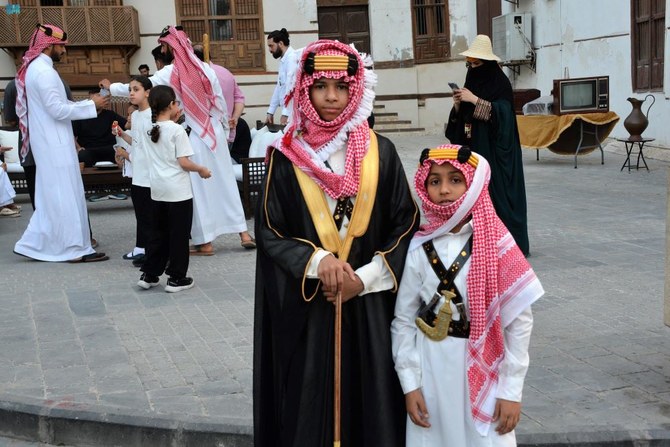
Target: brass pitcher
[[637, 122]]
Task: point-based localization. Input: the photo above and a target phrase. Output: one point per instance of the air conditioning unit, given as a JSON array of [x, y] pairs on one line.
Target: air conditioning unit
[[512, 37]]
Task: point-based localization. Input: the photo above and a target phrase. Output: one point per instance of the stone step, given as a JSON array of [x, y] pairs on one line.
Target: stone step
[[390, 120], [403, 130]]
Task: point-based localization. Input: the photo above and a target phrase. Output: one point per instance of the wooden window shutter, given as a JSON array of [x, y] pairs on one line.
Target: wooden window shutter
[[657, 43], [648, 43]]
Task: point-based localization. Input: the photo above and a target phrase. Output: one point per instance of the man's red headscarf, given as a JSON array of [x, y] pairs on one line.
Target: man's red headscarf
[[42, 38], [190, 82], [309, 140], [500, 282]]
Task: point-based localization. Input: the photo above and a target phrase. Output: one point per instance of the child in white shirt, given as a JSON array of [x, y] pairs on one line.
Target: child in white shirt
[[462, 317], [136, 163], [169, 151]]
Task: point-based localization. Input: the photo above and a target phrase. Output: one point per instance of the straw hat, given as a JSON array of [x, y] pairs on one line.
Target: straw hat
[[481, 48]]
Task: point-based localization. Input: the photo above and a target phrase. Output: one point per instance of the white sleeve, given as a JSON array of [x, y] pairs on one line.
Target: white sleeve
[[182, 144], [403, 329], [275, 101], [56, 104], [375, 276], [313, 266], [119, 89], [161, 77], [515, 364]]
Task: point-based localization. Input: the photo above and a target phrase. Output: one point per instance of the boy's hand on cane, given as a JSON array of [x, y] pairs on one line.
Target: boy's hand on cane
[[416, 408], [350, 289], [507, 413], [331, 272]]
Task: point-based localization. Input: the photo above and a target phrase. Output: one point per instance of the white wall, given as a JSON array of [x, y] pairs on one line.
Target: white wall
[[153, 17], [589, 38], [390, 30]]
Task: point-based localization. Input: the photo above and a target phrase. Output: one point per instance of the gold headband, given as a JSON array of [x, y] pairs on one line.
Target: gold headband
[[452, 154], [52, 32], [330, 63]]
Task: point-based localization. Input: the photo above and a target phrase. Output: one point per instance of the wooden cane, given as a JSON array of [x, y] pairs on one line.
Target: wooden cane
[[338, 367], [205, 47]]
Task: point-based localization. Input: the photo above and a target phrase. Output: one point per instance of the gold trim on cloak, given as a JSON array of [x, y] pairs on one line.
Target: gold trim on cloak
[[319, 210]]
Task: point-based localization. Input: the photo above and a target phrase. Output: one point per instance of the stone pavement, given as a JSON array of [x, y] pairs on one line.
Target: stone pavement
[[87, 358]]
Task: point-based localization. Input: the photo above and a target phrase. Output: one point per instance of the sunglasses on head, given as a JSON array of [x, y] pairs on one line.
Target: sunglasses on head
[[166, 30], [51, 32]]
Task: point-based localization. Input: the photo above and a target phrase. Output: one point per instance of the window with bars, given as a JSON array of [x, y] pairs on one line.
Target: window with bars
[[223, 20], [431, 30], [648, 44]]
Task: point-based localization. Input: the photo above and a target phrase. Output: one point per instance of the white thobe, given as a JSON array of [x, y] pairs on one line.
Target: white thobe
[[217, 207], [59, 228], [439, 368], [286, 66], [7, 192]]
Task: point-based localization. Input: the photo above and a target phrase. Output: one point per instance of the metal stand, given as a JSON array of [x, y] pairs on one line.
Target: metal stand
[[581, 139], [629, 149]]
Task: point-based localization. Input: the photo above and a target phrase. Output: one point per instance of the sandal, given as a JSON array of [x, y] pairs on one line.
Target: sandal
[[202, 250], [8, 212], [249, 244], [93, 257]]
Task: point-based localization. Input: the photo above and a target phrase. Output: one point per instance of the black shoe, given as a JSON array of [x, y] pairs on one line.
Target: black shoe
[[139, 262], [148, 281], [177, 285]]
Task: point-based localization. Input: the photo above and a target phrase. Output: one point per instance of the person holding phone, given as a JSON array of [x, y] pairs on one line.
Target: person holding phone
[[93, 139], [483, 118]]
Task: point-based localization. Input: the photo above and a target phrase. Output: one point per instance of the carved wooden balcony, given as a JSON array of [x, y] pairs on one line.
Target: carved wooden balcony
[[86, 26]]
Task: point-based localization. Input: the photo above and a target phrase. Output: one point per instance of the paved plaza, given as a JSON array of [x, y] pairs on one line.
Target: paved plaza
[[88, 358]]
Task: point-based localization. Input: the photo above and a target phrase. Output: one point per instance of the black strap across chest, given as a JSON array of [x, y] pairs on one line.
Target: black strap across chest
[[446, 276]]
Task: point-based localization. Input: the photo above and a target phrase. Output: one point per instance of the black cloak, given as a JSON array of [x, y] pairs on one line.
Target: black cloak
[[498, 141], [293, 339]]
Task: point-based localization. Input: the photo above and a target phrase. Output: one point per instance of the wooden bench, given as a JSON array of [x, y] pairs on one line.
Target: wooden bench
[[96, 181]]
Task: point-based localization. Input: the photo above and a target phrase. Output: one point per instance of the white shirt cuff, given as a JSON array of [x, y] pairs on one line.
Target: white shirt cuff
[[375, 276], [313, 267], [410, 379], [510, 388]]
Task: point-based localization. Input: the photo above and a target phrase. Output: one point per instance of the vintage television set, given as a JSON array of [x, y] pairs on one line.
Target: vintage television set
[[581, 95]]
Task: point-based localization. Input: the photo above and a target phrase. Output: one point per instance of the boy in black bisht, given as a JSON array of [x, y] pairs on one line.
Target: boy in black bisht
[[336, 215], [483, 118]]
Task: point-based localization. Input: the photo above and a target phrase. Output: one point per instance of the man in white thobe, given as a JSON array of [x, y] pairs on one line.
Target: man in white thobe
[[59, 229], [217, 207]]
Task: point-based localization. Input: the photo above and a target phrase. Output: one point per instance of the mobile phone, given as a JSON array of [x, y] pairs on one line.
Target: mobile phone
[[454, 86], [104, 92]]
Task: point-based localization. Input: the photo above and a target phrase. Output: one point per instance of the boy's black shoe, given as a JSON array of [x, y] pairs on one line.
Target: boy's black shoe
[[148, 281], [139, 262], [177, 285]]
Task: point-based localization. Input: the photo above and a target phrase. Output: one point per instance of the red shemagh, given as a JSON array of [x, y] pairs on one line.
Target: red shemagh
[[192, 85], [309, 140]]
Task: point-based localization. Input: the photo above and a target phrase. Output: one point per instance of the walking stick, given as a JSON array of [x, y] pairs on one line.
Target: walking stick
[[205, 47], [338, 367]]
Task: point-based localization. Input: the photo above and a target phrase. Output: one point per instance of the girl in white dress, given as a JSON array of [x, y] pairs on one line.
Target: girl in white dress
[[462, 379]]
